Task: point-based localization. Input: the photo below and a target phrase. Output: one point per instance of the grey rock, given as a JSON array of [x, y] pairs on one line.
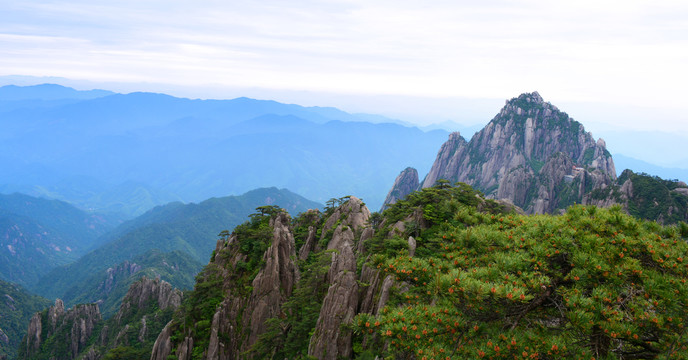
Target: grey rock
[[275, 282], [411, 246], [143, 291], [406, 183], [521, 153], [163, 344]]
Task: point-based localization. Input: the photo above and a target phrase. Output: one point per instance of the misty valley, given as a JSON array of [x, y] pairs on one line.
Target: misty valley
[[146, 226]]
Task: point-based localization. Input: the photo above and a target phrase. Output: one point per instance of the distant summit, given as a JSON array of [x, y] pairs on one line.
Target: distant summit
[[48, 92], [531, 154]]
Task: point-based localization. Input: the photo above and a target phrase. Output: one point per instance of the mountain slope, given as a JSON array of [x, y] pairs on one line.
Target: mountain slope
[[444, 273], [16, 306], [196, 149], [646, 197], [190, 228], [37, 235], [81, 332], [108, 288]]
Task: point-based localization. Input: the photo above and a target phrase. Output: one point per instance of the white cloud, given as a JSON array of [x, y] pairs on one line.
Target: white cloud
[[622, 52]]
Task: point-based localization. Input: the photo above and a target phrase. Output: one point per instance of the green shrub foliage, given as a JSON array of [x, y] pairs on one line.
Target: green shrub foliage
[[592, 283]]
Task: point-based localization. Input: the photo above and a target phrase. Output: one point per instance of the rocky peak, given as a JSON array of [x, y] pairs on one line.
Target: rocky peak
[[275, 282], [247, 302], [145, 291], [506, 159], [351, 213], [75, 326], [405, 183], [331, 339]]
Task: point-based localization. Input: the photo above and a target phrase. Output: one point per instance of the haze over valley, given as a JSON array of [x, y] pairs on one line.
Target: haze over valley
[[343, 180]]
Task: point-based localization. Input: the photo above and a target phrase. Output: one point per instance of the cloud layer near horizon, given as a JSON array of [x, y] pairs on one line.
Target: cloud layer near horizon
[[621, 52]]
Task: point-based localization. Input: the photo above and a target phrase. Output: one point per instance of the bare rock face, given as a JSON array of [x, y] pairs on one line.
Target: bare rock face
[[239, 320], [330, 340], [163, 344], [406, 183], [447, 161], [33, 336], [146, 290], [116, 273], [512, 157], [75, 326], [274, 284]]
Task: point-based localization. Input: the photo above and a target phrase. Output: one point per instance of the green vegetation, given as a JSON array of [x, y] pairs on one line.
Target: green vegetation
[[120, 337], [40, 235], [590, 283], [195, 315], [483, 283], [17, 306], [190, 228], [651, 197], [109, 288]]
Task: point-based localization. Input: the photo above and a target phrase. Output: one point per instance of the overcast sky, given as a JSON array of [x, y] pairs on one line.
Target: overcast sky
[[416, 59]]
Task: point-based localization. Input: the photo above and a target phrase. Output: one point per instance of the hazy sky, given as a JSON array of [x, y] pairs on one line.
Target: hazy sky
[[414, 59]]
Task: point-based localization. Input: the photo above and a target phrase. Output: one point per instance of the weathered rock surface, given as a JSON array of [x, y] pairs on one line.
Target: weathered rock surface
[[74, 326], [644, 196], [524, 156], [330, 339], [406, 183], [142, 292], [274, 284], [239, 321], [163, 344], [241, 318], [131, 326]]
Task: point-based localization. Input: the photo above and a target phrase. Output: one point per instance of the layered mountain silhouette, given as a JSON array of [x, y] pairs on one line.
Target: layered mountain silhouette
[[130, 152]]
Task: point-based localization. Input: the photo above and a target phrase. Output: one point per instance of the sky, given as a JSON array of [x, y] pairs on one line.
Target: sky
[[613, 65]]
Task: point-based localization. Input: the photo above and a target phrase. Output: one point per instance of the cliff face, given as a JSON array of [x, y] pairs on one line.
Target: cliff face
[[70, 328], [80, 332], [240, 315], [291, 309], [404, 184], [524, 155], [330, 339], [645, 196]]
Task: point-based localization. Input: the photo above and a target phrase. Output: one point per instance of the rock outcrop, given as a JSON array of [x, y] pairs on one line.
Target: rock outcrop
[[527, 155], [274, 284], [330, 339], [239, 319], [332, 250], [406, 183], [645, 196], [74, 327], [145, 291], [145, 309]]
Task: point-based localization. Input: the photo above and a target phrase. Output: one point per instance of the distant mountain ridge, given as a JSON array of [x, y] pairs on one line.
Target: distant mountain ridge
[[37, 235], [189, 228], [190, 150], [48, 92]]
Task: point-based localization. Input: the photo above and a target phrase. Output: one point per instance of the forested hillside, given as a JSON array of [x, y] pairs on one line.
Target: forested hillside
[[444, 273], [38, 235], [16, 308], [189, 228]]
